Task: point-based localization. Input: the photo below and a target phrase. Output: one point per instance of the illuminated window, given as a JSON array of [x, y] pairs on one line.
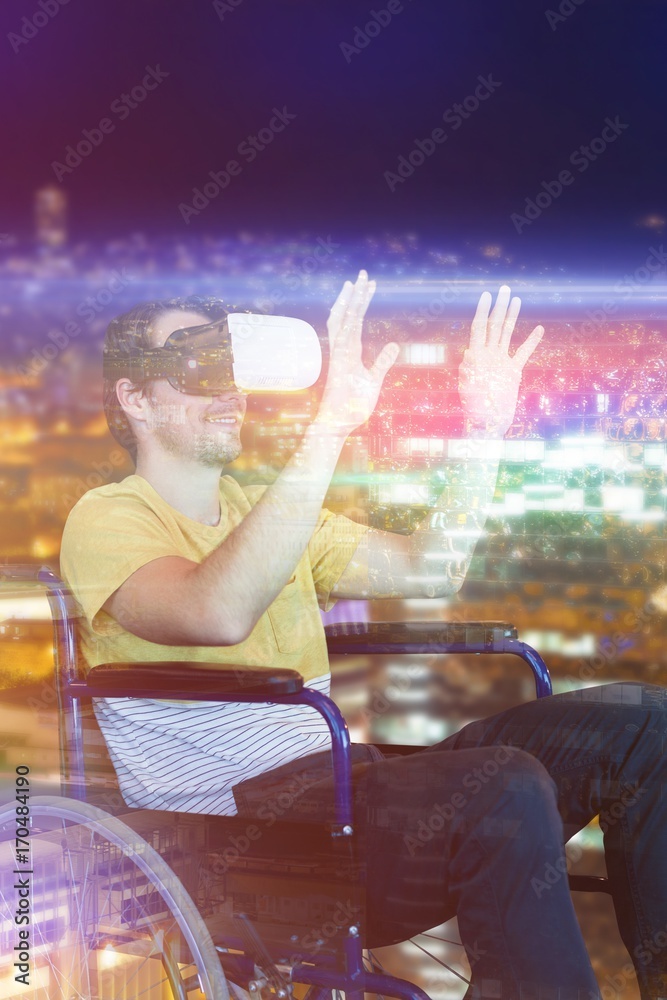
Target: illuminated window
[[424, 447], [425, 354], [419, 446], [623, 499]]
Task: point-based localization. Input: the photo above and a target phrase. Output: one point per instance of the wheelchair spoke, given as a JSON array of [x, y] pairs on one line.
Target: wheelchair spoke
[[373, 961], [435, 937], [440, 961], [375, 965], [83, 881]]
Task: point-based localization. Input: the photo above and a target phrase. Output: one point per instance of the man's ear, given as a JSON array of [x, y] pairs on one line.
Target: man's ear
[[133, 398]]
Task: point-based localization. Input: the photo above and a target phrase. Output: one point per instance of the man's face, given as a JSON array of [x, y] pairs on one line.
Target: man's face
[[204, 428]]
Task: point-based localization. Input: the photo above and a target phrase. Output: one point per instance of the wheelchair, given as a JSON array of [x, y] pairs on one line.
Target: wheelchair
[[130, 903]]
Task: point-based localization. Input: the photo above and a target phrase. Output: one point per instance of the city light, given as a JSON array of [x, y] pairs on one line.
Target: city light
[[580, 504]]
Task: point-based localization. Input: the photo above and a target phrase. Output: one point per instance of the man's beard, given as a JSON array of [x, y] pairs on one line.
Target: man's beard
[[212, 449]]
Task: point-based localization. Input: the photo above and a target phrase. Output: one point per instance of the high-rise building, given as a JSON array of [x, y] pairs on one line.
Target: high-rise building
[[50, 217]]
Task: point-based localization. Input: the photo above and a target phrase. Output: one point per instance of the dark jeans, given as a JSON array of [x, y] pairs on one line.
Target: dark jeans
[[476, 826]]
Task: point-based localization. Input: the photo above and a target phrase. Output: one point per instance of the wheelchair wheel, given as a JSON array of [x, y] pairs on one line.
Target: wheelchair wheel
[[435, 961], [107, 917]]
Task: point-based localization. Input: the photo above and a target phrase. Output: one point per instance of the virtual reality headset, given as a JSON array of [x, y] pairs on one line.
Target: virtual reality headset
[[243, 350]]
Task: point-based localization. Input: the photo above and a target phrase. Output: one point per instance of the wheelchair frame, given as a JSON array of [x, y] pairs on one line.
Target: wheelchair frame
[[215, 682]]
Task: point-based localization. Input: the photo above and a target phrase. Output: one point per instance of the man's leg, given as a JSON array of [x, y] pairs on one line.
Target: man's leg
[[604, 749], [466, 832]]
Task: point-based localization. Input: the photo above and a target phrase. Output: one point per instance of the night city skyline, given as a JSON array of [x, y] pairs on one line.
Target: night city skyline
[[455, 123], [262, 152]]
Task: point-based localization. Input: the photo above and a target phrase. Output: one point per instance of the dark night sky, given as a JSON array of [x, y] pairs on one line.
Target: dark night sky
[[325, 172]]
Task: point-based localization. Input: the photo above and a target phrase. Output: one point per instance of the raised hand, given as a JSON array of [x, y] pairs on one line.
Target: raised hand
[[489, 378], [351, 391]]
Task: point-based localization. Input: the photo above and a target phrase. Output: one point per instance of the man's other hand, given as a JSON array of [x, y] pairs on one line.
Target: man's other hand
[[489, 378]]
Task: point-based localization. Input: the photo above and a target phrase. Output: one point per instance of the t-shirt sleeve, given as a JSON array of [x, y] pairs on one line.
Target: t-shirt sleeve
[[330, 549], [104, 542]]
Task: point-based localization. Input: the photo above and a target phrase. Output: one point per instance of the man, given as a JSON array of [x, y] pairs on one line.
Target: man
[[179, 563]]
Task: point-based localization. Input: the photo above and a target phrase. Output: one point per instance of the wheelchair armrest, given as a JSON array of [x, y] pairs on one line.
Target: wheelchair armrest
[[176, 677], [407, 637], [192, 681], [438, 637]]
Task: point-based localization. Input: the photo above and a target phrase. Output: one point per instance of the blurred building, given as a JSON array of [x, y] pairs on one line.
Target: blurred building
[[50, 217]]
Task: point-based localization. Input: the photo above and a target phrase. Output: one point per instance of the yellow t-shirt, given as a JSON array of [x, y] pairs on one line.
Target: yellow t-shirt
[[114, 530], [188, 756]]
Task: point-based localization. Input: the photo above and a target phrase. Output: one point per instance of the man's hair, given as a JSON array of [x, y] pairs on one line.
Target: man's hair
[[130, 334]]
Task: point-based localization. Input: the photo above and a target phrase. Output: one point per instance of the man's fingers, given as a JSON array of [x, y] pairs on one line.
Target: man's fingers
[[346, 317], [510, 323], [529, 345], [480, 319], [342, 311], [358, 304], [354, 317], [343, 298], [497, 317], [366, 292], [339, 308], [370, 292]]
